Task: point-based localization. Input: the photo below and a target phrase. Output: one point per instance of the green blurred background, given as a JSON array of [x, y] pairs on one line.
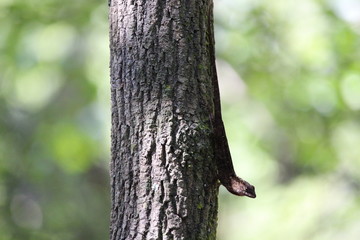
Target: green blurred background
[[290, 85]]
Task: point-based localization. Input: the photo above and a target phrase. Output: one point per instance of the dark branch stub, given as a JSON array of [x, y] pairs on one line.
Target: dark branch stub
[[226, 172]]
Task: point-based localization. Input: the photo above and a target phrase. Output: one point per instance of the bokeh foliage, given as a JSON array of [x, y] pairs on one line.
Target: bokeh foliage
[[290, 81], [294, 122], [54, 120]]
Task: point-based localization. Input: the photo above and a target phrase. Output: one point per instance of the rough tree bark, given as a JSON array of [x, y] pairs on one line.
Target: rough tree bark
[[164, 177]]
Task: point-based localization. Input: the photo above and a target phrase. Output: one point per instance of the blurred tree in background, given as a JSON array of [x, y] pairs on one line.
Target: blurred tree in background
[[290, 78]]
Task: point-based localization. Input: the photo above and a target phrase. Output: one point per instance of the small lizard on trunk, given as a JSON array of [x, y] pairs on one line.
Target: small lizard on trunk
[[225, 168]]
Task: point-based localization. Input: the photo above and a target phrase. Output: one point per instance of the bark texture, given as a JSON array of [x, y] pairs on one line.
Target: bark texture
[[163, 172]]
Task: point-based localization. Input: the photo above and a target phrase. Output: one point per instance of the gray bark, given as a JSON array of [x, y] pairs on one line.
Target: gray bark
[[163, 172]]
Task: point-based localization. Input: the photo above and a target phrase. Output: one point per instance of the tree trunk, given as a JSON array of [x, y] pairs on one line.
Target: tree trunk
[[163, 168]]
